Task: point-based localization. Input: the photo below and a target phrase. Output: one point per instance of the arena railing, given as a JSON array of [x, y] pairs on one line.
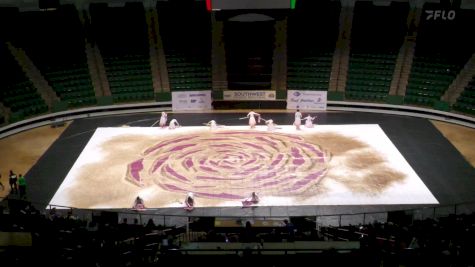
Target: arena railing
[[58, 118], [61, 117], [182, 218]]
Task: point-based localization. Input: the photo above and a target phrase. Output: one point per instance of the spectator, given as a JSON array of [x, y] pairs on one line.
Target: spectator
[[22, 185], [150, 226], [290, 229], [13, 182], [1, 184], [248, 235]]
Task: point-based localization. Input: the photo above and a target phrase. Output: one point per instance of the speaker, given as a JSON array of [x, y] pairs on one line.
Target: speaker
[[47, 4]]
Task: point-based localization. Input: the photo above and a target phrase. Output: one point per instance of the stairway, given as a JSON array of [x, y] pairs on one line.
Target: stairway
[[218, 56], [97, 70], [91, 58], [279, 59], [152, 44], [341, 56], [162, 60], [34, 75], [402, 69], [460, 82]]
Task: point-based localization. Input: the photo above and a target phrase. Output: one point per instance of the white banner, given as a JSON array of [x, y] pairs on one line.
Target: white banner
[[191, 100], [248, 95], [306, 100]]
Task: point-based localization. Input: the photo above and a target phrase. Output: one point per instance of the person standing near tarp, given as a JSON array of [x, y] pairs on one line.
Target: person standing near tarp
[[22, 185], [13, 182], [1, 184]]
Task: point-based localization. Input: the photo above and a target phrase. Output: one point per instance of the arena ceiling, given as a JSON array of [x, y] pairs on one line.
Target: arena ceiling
[[30, 5]]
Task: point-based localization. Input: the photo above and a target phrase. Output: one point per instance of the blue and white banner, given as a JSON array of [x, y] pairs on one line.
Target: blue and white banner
[[191, 100], [306, 100], [249, 95]]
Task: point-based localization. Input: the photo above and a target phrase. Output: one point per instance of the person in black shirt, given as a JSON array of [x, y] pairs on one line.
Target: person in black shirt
[[13, 182]]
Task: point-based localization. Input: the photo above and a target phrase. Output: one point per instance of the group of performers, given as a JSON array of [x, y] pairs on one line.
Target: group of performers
[[254, 119], [163, 122], [189, 203], [271, 126]]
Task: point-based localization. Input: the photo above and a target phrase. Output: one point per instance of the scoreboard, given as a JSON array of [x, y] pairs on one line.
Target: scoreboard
[[216, 5]]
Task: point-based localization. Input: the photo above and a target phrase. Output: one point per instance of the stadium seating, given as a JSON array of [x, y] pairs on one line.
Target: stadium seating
[[442, 49], [310, 59], [466, 101], [16, 92], [54, 41], [186, 33], [377, 34], [128, 64]]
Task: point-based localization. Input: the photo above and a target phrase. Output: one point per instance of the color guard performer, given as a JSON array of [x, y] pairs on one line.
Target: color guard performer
[[163, 120], [309, 121], [270, 125], [252, 119], [298, 120], [250, 201], [173, 124], [189, 202]]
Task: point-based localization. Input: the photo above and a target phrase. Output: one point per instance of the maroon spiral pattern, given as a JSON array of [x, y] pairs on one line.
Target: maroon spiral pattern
[[230, 164]]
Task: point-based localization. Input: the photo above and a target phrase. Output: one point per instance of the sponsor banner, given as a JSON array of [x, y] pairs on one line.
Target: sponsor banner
[[248, 95], [191, 100], [304, 100]]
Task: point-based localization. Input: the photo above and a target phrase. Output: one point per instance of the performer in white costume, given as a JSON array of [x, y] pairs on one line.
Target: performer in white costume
[[270, 125], [163, 120], [298, 120], [173, 124], [252, 119], [138, 204], [189, 202], [251, 201], [309, 121], [212, 124]]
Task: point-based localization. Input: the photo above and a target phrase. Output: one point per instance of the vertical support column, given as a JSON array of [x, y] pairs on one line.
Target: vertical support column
[[95, 63], [162, 60], [218, 56], [152, 45], [33, 74], [341, 56], [90, 57], [279, 59], [460, 82], [403, 66]]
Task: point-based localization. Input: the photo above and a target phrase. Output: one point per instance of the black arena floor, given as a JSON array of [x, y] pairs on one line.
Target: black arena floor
[[444, 171]]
